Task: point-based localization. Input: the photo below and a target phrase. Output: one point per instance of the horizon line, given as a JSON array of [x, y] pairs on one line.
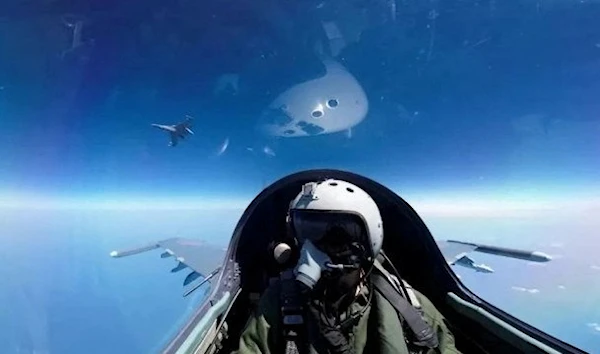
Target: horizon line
[[444, 205]]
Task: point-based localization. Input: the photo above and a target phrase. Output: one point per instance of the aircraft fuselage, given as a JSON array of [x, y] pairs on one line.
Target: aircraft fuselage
[[177, 131]]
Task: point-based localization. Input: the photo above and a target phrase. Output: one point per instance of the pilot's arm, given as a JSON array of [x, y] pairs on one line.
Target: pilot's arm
[[261, 332], [438, 322]]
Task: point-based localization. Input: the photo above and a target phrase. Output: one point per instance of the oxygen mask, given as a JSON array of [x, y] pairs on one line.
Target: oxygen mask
[[328, 249]]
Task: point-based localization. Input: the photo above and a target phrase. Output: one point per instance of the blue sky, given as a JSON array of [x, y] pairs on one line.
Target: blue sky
[[81, 124], [122, 155], [493, 122]]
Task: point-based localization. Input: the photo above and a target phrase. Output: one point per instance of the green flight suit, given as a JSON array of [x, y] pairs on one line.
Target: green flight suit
[[378, 330]]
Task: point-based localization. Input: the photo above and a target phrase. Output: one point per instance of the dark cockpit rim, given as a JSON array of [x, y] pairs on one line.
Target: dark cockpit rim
[[440, 284]]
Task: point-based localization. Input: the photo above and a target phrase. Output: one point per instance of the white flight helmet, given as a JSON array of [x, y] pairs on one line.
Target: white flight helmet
[[337, 197]]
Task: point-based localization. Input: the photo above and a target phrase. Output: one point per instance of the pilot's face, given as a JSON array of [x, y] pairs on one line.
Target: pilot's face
[[335, 244], [332, 242]]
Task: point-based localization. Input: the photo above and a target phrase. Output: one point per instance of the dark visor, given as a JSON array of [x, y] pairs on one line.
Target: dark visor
[[332, 227]]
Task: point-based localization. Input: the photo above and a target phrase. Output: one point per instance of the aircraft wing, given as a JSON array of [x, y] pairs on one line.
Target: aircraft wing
[[204, 260], [456, 252]]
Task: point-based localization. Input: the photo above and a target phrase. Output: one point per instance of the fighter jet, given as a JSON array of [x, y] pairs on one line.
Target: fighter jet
[[178, 131], [259, 253]]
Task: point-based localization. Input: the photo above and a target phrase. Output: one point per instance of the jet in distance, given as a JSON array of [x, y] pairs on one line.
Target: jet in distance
[[177, 131]]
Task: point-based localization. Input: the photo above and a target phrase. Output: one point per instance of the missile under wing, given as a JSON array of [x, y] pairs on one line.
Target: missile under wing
[[457, 253]]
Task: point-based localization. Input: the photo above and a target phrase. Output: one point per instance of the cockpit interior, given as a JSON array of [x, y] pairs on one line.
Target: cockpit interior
[[478, 327]]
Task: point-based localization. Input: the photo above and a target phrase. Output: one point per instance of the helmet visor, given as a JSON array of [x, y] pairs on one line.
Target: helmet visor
[[331, 231]]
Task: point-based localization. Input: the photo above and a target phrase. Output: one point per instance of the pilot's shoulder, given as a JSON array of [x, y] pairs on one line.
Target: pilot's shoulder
[[428, 308], [439, 323]]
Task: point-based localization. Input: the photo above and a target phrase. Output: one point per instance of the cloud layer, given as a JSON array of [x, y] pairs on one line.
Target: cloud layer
[[439, 207], [525, 290]]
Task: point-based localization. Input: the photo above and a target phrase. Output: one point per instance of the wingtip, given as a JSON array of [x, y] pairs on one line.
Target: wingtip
[[541, 256]]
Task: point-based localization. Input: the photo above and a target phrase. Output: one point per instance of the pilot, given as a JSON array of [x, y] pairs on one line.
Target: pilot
[[338, 230]]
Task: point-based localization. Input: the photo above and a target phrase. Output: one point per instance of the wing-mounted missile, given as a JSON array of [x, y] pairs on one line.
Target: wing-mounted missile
[[483, 268], [201, 257], [467, 262], [532, 256], [133, 251], [456, 253]]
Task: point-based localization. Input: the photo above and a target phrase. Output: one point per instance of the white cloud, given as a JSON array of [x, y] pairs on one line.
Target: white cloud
[[268, 151], [561, 287], [223, 147], [595, 267], [594, 326], [557, 245], [511, 201], [496, 208], [472, 207], [525, 290]]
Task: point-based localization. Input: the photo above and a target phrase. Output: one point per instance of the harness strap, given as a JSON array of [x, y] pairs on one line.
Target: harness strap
[[291, 313], [395, 282], [424, 334]]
